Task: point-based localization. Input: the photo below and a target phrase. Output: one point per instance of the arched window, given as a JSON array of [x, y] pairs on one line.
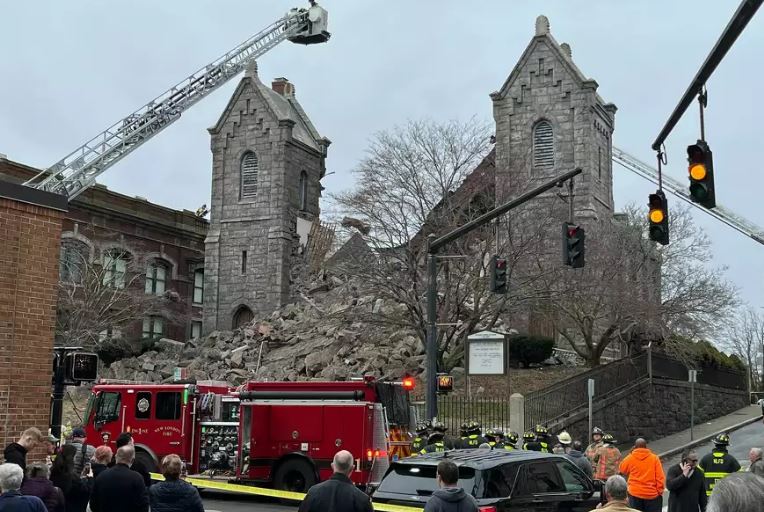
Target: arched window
[[74, 258], [303, 190], [156, 278], [249, 175], [543, 145], [242, 317]]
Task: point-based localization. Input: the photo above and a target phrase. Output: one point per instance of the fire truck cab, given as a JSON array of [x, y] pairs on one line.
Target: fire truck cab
[[283, 434]]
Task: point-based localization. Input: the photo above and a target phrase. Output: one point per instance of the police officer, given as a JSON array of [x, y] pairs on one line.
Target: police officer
[[529, 441], [420, 441], [495, 437], [510, 442], [591, 450], [718, 464], [474, 438]]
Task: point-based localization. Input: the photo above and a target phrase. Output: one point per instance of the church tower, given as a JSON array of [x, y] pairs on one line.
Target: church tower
[[267, 163]]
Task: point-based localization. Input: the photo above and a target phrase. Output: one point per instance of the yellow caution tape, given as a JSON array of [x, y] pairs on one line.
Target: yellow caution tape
[[204, 483]]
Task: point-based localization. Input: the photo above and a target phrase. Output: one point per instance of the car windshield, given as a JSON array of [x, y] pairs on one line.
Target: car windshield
[[416, 480]]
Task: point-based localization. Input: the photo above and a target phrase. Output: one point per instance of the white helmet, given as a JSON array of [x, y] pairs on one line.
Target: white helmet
[[564, 438]]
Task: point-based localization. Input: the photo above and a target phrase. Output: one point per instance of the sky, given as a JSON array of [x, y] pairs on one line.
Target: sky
[[72, 68]]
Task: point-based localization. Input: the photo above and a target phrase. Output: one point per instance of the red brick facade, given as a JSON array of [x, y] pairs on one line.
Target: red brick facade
[[30, 236]]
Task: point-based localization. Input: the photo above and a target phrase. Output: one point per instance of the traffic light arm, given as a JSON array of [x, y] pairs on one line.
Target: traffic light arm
[[433, 244]]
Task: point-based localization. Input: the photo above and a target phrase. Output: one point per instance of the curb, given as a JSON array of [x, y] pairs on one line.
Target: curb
[[703, 439]]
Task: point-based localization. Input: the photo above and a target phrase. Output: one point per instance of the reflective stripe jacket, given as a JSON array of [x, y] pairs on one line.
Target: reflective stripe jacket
[[591, 450], [438, 446], [608, 459], [715, 466]]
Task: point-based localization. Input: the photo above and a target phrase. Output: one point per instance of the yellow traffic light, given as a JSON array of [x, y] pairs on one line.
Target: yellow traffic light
[[698, 172], [656, 216]]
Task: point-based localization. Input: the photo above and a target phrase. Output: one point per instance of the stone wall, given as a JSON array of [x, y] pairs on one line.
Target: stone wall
[[655, 411], [30, 234]]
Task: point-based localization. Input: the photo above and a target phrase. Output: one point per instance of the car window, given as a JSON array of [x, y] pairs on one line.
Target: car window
[[572, 479], [416, 480], [500, 480], [540, 478]]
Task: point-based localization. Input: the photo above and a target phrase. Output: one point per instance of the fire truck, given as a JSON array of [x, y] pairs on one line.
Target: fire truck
[[282, 434]]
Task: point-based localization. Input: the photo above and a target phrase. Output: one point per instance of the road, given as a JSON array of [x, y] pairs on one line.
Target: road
[[741, 441]]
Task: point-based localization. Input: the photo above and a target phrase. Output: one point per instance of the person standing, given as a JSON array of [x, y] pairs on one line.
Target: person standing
[[37, 483], [686, 485], [126, 439], [565, 440], [420, 441], [646, 480], [74, 485], [337, 494], [607, 459], [578, 458], [757, 464], [119, 489], [741, 492], [85, 451], [615, 493], [719, 463], [16, 453], [101, 459], [595, 445], [11, 499], [449, 497], [174, 495]]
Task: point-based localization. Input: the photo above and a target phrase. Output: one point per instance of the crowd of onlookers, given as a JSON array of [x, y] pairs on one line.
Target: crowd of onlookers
[[80, 477]]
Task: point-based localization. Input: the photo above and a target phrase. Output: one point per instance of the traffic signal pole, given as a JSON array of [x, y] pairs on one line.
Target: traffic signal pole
[[59, 388], [436, 243]]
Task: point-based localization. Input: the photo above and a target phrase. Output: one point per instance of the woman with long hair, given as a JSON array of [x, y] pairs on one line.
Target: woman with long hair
[[75, 487]]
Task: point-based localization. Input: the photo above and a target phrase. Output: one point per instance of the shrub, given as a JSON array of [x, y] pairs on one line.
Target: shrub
[[530, 349]]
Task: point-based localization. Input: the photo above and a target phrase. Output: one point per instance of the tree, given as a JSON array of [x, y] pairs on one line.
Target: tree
[[415, 180], [632, 289], [745, 337]]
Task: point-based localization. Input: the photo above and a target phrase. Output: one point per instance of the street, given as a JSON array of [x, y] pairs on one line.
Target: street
[[222, 502]]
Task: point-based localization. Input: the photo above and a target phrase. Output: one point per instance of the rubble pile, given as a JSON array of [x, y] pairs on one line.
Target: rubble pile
[[319, 337]]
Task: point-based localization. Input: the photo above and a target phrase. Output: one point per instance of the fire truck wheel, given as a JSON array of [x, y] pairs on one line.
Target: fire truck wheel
[[295, 475], [147, 460]]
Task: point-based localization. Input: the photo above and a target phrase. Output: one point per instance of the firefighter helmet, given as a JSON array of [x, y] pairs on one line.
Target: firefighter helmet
[[494, 434], [421, 428], [438, 426], [529, 436], [722, 439], [541, 430], [513, 437], [474, 427], [564, 438], [463, 428], [608, 438], [597, 431]]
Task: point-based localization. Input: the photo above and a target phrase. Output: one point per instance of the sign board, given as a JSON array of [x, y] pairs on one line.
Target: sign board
[[445, 383], [486, 353], [693, 375], [179, 373]]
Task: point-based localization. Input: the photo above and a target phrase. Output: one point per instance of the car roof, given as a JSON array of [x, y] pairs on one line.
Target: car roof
[[477, 458]]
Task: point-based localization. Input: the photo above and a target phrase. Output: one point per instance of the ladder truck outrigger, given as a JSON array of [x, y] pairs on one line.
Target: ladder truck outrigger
[[78, 170]]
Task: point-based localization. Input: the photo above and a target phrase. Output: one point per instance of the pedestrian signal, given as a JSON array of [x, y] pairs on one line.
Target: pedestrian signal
[[658, 217], [445, 383], [81, 367]]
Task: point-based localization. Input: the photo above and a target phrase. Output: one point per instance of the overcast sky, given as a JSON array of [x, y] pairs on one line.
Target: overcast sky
[[71, 68]]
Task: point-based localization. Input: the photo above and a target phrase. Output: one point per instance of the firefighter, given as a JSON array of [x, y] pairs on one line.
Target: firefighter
[[542, 437], [435, 443], [718, 464], [607, 459], [510, 442], [420, 441], [474, 438], [529, 441], [591, 450], [439, 427], [495, 437]]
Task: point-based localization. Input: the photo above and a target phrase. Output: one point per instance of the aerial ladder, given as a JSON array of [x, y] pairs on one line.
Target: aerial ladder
[[78, 170], [721, 213]]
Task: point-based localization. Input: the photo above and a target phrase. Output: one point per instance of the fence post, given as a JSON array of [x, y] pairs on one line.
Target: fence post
[[517, 413]]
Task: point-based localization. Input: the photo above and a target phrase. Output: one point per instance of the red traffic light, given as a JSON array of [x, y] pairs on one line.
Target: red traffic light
[[408, 383]]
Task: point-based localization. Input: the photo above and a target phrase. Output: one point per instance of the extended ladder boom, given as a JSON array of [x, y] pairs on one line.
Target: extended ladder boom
[[74, 173], [721, 213]]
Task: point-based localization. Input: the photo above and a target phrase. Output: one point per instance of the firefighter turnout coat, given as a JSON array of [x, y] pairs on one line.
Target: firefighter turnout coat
[[716, 465]]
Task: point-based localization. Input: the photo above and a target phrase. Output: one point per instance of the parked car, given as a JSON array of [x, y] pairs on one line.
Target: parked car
[[500, 481]]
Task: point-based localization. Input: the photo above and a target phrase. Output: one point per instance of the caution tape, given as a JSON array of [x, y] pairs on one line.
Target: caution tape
[[204, 483]]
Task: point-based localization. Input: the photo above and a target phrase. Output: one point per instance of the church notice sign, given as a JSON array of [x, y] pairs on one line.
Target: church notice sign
[[486, 353]]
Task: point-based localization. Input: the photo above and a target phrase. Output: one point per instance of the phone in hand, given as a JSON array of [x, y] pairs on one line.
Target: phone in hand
[[87, 470]]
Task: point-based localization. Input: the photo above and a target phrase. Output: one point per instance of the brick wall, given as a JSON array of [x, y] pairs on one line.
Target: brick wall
[[30, 235]]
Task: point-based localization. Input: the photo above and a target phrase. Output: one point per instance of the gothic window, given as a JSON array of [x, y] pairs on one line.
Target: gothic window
[[249, 171], [303, 190], [115, 268], [74, 257], [156, 278], [543, 145], [198, 286], [242, 317]]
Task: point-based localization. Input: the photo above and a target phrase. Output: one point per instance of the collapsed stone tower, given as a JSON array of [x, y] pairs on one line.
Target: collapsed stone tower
[[267, 163]]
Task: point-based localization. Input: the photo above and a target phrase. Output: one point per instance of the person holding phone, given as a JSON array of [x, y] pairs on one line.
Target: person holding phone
[[686, 485]]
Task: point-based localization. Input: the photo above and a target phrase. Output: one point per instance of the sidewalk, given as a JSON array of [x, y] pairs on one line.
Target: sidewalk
[[675, 443]]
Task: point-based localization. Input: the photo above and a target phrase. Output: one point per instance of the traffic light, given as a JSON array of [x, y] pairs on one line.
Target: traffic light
[[408, 383], [573, 245], [499, 275], [658, 216], [81, 367], [701, 169]]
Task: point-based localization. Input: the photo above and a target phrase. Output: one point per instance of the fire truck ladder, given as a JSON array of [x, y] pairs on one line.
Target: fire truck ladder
[[74, 173], [721, 213]]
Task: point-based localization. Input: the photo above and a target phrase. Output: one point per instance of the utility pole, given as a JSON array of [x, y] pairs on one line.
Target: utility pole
[[433, 245]]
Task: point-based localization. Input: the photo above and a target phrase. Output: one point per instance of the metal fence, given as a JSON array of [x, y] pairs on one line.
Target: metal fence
[[567, 396], [454, 410], [669, 368]]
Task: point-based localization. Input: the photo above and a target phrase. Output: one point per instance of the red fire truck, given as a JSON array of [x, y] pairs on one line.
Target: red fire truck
[[283, 434]]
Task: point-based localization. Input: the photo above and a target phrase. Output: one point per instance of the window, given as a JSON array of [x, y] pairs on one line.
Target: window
[[420, 480], [153, 327], [74, 257], [243, 262], [572, 478], [115, 268], [541, 477], [199, 286], [109, 333], [249, 175], [156, 279], [599, 163], [543, 145], [196, 330], [168, 405], [242, 317], [107, 408], [303, 190], [143, 405], [501, 480]]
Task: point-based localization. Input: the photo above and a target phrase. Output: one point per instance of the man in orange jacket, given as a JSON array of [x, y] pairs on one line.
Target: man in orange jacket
[[646, 480]]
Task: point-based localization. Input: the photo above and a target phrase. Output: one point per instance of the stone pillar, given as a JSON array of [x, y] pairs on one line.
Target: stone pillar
[[517, 413], [30, 239]]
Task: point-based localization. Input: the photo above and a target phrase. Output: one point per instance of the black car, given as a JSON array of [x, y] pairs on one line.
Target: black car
[[500, 480]]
